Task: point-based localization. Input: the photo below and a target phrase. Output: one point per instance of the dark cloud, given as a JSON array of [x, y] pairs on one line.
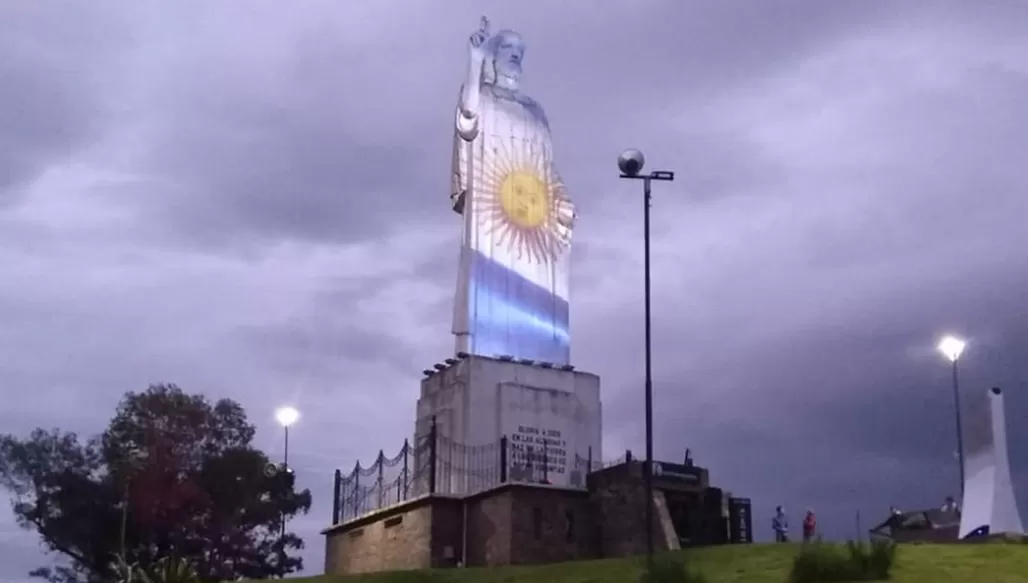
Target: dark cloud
[[329, 148], [52, 104], [259, 212], [291, 173]]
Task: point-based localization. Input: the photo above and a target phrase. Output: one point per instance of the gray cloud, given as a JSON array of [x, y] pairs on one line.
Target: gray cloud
[[52, 104], [259, 212]]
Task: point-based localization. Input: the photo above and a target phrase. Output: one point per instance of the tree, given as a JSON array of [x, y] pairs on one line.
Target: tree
[[173, 476]]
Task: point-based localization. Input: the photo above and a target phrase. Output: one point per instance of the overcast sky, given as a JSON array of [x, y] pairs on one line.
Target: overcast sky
[[250, 200]]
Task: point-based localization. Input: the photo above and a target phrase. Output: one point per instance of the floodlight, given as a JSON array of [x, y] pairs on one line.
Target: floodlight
[[951, 347], [286, 416]]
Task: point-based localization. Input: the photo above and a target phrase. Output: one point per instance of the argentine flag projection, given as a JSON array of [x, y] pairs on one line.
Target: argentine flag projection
[[512, 291]]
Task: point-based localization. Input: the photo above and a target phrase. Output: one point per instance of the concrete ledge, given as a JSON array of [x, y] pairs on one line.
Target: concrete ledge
[[531, 523], [412, 503], [386, 512]]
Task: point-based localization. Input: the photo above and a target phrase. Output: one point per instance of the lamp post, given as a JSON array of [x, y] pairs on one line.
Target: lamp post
[[631, 163], [286, 416], [952, 347]]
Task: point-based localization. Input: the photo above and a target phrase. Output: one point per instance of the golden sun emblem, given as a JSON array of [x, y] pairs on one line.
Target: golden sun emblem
[[525, 199], [524, 204]]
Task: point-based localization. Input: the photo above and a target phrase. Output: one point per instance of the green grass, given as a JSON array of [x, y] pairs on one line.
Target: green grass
[[915, 563]]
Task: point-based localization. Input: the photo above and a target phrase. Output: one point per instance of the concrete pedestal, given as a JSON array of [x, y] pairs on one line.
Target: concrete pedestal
[[550, 415]]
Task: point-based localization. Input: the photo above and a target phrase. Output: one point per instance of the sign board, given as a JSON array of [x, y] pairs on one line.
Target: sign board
[[542, 433], [740, 521], [679, 473]]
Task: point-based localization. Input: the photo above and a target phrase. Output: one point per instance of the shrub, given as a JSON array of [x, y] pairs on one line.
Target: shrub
[[125, 572], [821, 563], [171, 570], [421, 576], [872, 561], [671, 569], [166, 570], [856, 561]]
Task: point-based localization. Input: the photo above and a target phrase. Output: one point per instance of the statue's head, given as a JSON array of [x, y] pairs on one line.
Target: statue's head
[[504, 54]]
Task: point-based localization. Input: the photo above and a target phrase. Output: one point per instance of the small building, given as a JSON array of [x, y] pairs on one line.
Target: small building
[[526, 521]]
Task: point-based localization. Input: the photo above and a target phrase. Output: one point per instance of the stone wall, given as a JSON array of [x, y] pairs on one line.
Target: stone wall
[[488, 536], [549, 525], [528, 524], [417, 534], [618, 503], [928, 535], [517, 523], [446, 545]]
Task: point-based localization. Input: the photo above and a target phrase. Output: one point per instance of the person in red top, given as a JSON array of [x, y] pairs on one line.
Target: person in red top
[[809, 526]]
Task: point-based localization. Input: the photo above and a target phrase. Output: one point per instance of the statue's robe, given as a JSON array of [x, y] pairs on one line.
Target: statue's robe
[[512, 289]]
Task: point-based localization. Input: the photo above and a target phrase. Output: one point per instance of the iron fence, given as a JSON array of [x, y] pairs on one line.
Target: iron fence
[[436, 464]]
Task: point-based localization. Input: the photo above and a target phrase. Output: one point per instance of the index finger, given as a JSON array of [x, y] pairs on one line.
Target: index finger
[[484, 25]]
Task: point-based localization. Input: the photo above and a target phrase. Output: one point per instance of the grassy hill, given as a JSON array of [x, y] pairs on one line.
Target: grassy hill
[[992, 563]]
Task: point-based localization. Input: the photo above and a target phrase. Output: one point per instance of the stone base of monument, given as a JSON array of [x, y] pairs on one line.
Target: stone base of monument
[[528, 523], [506, 468], [989, 506], [548, 416]]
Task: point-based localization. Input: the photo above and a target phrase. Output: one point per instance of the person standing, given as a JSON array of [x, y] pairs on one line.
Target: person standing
[[780, 523], [809, 526], [951, 506]]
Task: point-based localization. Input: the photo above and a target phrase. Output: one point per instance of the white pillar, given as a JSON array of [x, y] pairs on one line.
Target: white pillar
[[988, 490]]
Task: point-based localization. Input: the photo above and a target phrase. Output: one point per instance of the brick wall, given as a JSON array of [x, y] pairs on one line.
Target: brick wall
[[528, 524], [420, 533], [928, 535], [550, 525], [618, 503], [511, 524], [488, 536], [446, 545]]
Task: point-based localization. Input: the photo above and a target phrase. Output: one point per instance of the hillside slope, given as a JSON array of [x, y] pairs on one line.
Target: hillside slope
[[994, 563]]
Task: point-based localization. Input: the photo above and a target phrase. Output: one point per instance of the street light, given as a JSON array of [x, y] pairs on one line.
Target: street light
[[286, 416], [631, 164], [952, 347]]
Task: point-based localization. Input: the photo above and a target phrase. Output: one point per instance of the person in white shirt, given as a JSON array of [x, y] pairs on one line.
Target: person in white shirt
[[950, 505]]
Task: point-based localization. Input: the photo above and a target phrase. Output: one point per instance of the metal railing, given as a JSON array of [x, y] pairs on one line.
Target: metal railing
[[436, 464]]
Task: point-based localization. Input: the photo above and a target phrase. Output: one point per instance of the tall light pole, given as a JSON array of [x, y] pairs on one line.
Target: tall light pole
[[286, 416], [631, 163], [952, 347]]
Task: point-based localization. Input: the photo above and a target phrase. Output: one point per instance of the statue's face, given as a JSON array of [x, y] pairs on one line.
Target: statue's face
[[510, 50]]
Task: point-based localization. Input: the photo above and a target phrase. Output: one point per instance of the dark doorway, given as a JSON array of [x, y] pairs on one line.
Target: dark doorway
[[684, 508]]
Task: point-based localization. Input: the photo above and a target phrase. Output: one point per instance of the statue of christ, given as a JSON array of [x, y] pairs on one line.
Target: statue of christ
[[512, 290]]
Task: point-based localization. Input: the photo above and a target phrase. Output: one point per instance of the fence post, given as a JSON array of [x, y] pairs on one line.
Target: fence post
[[381, 462], [589, 461], [503, 459], [357, 490], [336, 487], [546, 464], [406, 449], [529, 458], [431, 457]]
